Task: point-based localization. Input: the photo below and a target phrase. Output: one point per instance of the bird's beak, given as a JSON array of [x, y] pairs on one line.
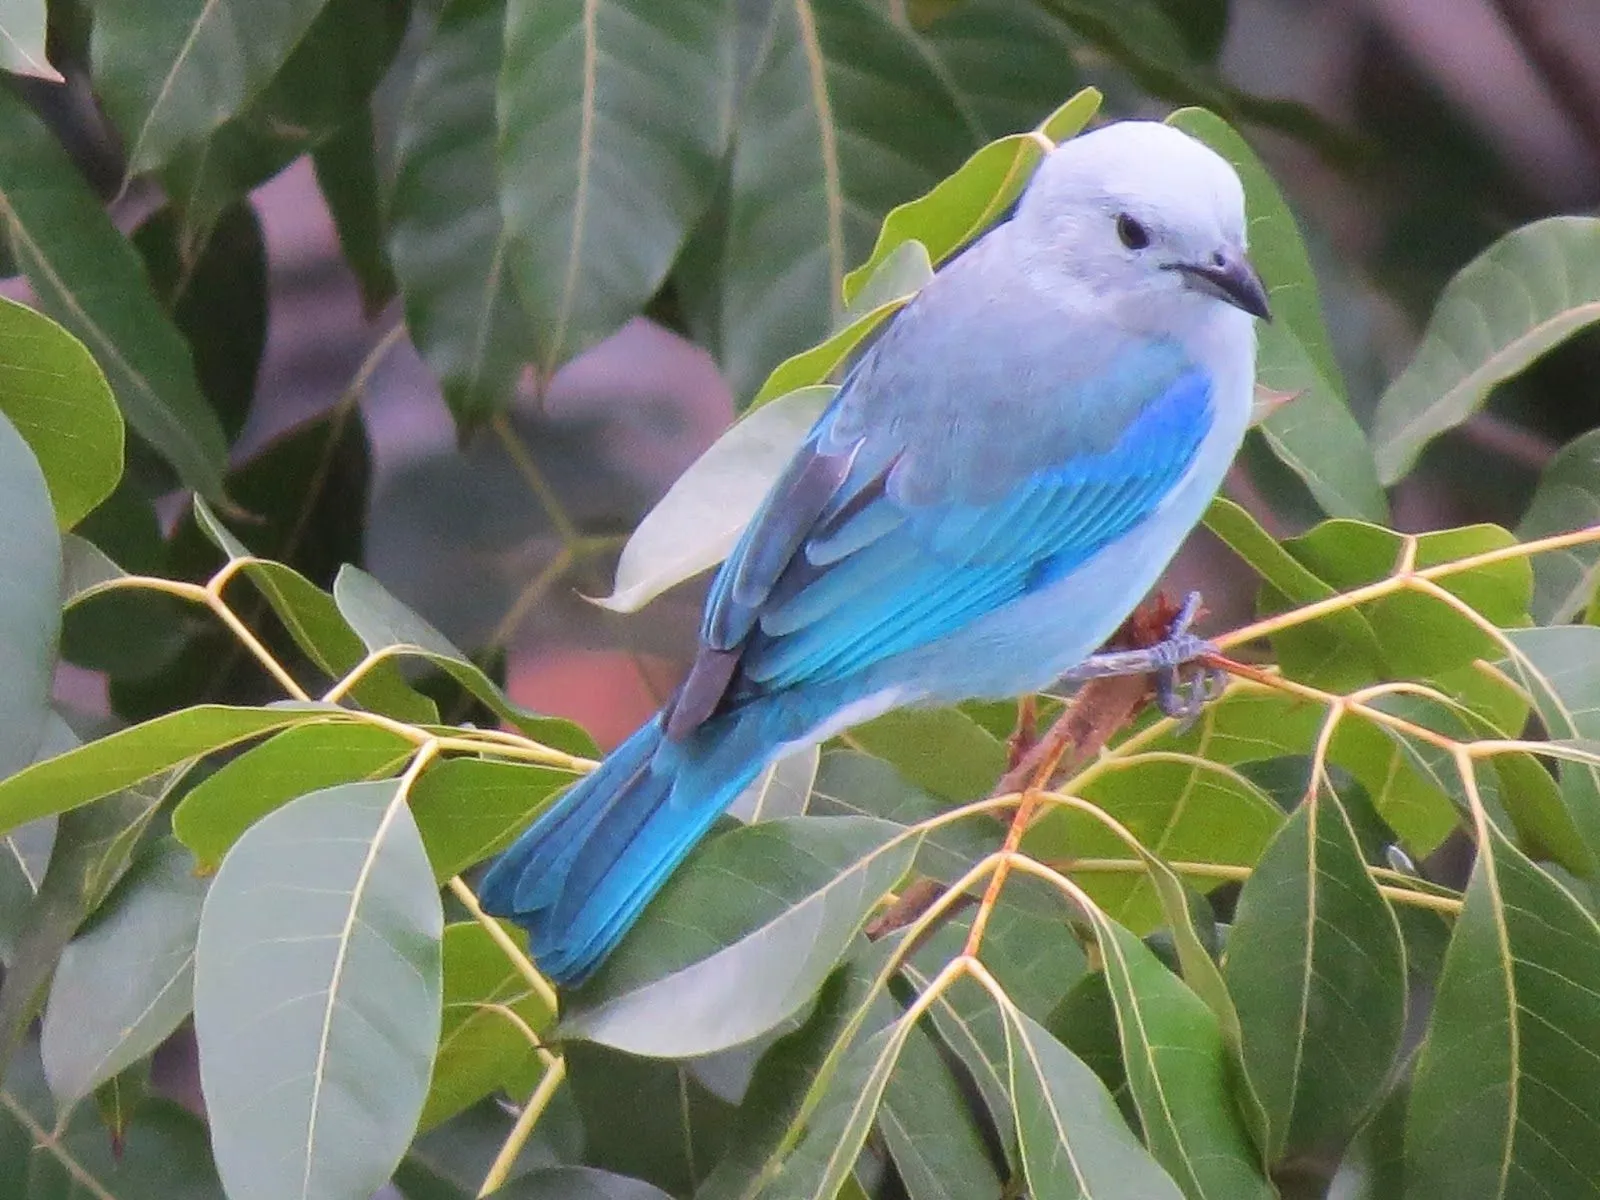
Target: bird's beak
[[1233, 279]]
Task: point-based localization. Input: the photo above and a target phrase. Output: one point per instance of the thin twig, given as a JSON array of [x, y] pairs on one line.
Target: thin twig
[[500, 1169], [508, 946]]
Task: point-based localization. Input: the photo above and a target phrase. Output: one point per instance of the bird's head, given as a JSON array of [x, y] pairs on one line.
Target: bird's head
[[1143, 221]]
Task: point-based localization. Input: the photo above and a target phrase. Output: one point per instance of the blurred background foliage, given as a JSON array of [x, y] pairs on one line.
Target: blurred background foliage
[[455, 291]]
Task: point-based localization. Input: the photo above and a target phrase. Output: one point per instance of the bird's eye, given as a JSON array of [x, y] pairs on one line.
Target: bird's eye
[[1132, 234]]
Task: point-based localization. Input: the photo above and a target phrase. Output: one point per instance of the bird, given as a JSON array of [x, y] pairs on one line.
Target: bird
[[1000, 478]]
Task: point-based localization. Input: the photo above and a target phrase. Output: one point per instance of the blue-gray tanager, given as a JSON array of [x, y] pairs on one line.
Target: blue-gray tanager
[[1000, 479]]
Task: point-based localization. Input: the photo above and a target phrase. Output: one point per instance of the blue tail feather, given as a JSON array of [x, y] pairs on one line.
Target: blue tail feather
[[582, 874]]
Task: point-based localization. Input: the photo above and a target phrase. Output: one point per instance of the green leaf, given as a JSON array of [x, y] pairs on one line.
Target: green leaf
[[1023, 946], [468, 808], [120, 760], [928, 1127], [1074, 1142], [44, 1156], [169, 77], [742, 935], [838, 1128], [1143, 36], [842, 120], [699, 520], [24, 854], [1521, 297], [1505, 1099], [127, 633], [1315, 434], [88, 277], [480, 1049], [1556, 667], [1256, 724], [317, 627], [1178, 1066], [347, 173], [1339, 644], [970, 1028], [1517, 790], [324, 84], [1403, 634], [578, 1183], [125, 983], [91, 851], [855, 784], [317, 984], [1085, 1022], [30, 598], [217, 295], [1537, 812], [941, 750], [1419, 636], [22, 47], [1183, 808], [383, 623], [962, 206], [1568, 498], [211, 818], [1316, 968], [55, 395], [893, 283], [449, 1162], [119, 1099], [1006, 65], [646, 1117], [447, 238], [611, 126], [794, 1077], [783, 789]]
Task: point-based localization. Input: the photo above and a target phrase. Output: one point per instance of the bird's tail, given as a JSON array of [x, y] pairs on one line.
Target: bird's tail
[[580, 876]]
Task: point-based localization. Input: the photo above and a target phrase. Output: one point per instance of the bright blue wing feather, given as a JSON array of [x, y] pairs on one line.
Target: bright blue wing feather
[[941, 567], [895, 576]]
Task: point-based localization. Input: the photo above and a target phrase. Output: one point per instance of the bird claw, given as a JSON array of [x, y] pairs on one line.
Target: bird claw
[[1182, 688], [1182, 695]]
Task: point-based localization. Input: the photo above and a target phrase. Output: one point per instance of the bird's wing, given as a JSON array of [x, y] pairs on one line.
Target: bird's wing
[[840, 569]]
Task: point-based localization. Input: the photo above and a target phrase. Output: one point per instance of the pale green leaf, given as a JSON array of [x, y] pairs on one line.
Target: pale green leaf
[[22, 46], [60, 403], [1506, 1099], [742, 935], [170, 74], [841, 120], [963, 205], [124, 984], [612, 120], [30, 597], [87, 276], [699, 520], [1318, 972], [447, 238], [317, 990], [1525, 294]]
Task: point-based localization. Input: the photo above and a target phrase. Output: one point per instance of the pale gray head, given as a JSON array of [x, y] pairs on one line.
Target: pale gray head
[[1143, 221]]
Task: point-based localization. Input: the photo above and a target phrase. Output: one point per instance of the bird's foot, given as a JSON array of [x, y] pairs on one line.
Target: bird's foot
[[1180, 694], [1179, 697]]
